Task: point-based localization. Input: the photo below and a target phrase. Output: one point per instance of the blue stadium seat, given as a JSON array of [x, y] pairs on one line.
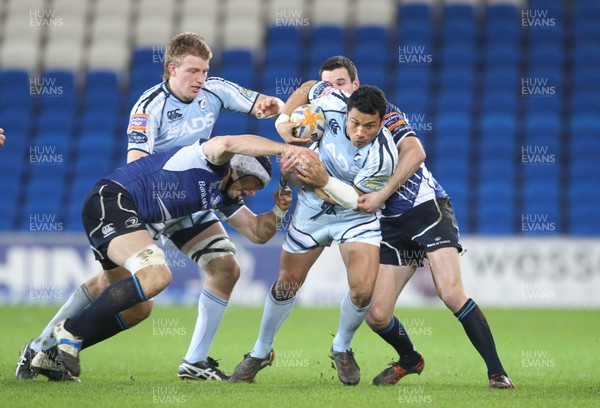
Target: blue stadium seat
[[368, 34], [495, 210], [238, 74], [56, 120], [543, 80], [546, 55], [459, 54], [585, 125], [237, 57], [412, 100], [107, 98], [543, 128], [369, 54], [585, 78], [376, 75], [502, 78], [321, 51], [266, 128], [459, 13], [584, 207], [586, 11], [586, 55], [291, 36], [584, 101], [412, 75], [231, 123], [584, 166], [556, 9], [540, 104], [459, 32], [101, 79], [502, 14], [537, 36], [147, 56], [327, 33], [457, 77], [502, 33], [282, 53], [585, 32], [99, 140], [281, 80], [454, 100], [502, 55], [541, 208], [500, 101], [417, 12], [145, 76], [498, 167], [415, 33]]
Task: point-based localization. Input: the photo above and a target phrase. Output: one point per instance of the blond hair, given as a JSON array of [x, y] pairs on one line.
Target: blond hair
[[181, 46]]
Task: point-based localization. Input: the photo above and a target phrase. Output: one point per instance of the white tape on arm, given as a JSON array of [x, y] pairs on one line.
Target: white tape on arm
[[343, 194], [282, 118]]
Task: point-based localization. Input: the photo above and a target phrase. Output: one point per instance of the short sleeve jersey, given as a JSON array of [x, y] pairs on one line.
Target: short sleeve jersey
[[175, 183], [368, 168], [159, 121], [422, 186]]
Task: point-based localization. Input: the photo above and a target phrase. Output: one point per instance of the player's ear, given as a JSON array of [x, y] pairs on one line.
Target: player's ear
[[171, 67], [355, 84]]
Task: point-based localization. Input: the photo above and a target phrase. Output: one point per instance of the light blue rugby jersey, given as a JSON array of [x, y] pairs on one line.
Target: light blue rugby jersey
[[175, 183], [419, 188], [368, 168], [159, 121]]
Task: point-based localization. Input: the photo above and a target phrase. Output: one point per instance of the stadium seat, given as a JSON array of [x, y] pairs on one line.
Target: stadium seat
[[290, 37], [371, 54], [418, 12], [237, 74], [457, 77], [20, 54], [330, 12], [376, 75], [240, 32], [152, 30], [502, 55], [500, 101], [237, 57], [108, 54], [412, 75], [369, 12], [495, 210], [280, 53], [414, 33], [232, 123], [459, 54], [502, 78], [454, 100]]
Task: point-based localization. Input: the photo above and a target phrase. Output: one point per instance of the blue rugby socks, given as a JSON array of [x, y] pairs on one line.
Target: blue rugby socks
[[350, 319]]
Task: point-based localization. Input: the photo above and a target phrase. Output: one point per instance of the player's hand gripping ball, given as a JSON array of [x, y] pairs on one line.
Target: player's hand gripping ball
[[312, 122]]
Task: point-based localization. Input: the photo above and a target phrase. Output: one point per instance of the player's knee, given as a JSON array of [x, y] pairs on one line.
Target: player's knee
[[377, 318], [360, 297], [286, 288], [211, 250], [150, 265], [138, 313], [226, 268]]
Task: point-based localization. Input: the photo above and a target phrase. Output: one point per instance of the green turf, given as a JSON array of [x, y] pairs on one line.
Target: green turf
[[552, 356]]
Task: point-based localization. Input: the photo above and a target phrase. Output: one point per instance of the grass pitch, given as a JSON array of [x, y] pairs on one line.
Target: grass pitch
[[551, 355]]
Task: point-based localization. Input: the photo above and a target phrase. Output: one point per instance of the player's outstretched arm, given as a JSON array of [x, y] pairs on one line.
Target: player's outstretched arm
[[410, 156], [2, 137], [220, 149], [283, 125], [267, 107], [260, 228]]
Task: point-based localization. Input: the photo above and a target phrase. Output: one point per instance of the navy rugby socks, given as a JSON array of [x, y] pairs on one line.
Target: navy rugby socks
[[397, 337], [117, 297], [478, 331]]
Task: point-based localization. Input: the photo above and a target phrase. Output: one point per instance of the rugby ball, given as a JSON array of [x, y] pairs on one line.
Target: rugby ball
[[312, 122]]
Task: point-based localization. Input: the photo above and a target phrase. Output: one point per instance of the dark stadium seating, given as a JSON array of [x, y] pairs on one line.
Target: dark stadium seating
[[481, 88]]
